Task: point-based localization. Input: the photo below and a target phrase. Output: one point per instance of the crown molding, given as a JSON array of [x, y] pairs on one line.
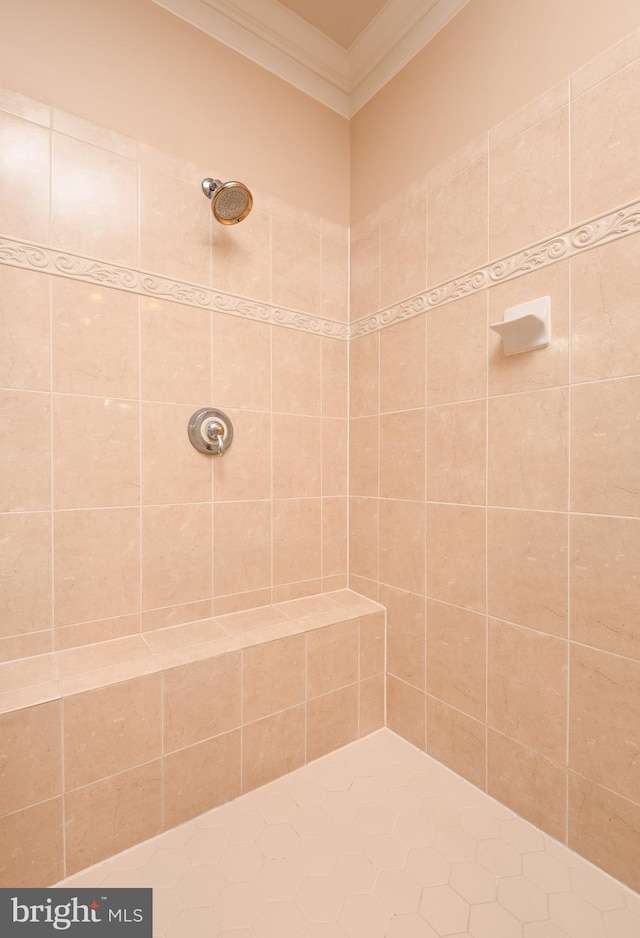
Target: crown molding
[[279, 40], [398, 32]]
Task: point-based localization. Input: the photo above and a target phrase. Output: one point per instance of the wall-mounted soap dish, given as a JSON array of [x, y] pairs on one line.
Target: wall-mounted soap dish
[[525, 327]]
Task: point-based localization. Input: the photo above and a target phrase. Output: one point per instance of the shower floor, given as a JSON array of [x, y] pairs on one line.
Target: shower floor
[[376, 840]]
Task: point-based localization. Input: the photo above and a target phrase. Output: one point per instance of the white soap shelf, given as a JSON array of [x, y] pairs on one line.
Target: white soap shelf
[[525, 327]]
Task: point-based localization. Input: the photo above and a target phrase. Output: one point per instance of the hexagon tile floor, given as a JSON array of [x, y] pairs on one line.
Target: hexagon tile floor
[[376, 840]]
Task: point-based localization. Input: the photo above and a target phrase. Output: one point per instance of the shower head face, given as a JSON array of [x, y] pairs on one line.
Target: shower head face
[[231, 201]]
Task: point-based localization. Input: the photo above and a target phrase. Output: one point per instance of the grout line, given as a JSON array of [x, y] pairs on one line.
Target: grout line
[[569, 425]]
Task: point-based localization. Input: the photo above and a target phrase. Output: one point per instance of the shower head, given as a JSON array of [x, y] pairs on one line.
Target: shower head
[[231, 202]]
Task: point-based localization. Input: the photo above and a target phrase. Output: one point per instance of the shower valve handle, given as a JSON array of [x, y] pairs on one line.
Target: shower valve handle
[[215, 431]]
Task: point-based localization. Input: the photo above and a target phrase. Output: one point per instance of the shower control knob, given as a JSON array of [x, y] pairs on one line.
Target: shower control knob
[[210, 431], [214, 430]]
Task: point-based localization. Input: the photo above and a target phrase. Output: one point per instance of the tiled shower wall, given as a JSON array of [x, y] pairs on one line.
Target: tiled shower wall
[[495, 502], [110, 522]]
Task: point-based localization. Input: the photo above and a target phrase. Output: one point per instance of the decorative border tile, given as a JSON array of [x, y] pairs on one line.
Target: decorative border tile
[[601, 230], [604, 228], [15, 253]]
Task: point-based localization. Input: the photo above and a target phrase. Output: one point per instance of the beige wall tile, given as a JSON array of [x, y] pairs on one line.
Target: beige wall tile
[[604, 291], [94, 201], [335, 273], [245, 471], [458, 741], [527, 569], [605, 64], [241, 363], [174, 225], [97, 564], [227, 605], [364, 273], [604, 728], [532, 785], [332, 657], [200, 700], [25, 150], [289, 591], [240, 257], [273, 677], [334, 536], [173, 471], [176, 554], [297, 372], [335, 456], [272, 747], [26, 646], [364, 455], [402, 544], [457, 453], [401, 447], [74, 126], [605, 590], [541, 368], [296, 265], [403, 254], [89, 633], [31, 846], [605, 447], [296, 540], [335, 359], [175, 615], [25, 456], [371, 704], [96, 452], [31, 756], [175, 347], [456, 555], [24, 329], [111, 815], [296, 456], [463, 196], [94, 339], [402, 365], [457, 658], [372, 644], [364, 587], [604, 133], [457, 351], [332, 721], [200, 777], [241, 547], [406, 712], [530, 115], [406, 635], [112, 729], [527, 688], [364, 375], [25, 573], [529, 185], [605, 828], [528, 450]]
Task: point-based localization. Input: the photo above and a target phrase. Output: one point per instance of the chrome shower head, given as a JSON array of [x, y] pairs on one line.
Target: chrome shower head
[[231, 201]]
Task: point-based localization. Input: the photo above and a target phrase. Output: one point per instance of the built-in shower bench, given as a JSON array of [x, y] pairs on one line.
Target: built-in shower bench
[[147, 731]]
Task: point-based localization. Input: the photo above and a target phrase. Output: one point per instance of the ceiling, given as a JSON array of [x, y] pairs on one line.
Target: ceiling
[[341, 52], [341, 21]]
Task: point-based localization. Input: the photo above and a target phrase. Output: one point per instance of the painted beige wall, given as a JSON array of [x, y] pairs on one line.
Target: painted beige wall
[[133, 67], [493, 58]]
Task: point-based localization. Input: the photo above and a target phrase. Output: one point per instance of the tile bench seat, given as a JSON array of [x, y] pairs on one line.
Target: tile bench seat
[[106, 745]]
